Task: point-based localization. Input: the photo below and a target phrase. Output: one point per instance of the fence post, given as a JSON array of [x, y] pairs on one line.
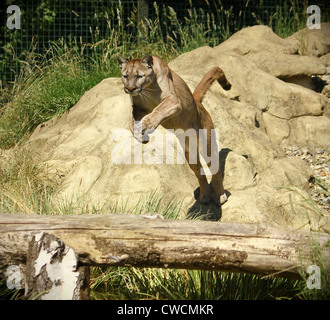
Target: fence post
[[53, 272]]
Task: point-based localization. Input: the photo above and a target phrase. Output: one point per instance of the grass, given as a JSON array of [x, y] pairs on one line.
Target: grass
[[50, 89], [172, 284], [27, 187], [289, 18], [52, 83], [323, 291]]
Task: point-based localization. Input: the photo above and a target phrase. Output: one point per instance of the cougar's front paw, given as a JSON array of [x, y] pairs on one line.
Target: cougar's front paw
[[142, 139], [148, 124], [141, 134]]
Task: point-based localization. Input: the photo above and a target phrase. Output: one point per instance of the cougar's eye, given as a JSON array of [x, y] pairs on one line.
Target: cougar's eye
[[138, 76], [125, 76]]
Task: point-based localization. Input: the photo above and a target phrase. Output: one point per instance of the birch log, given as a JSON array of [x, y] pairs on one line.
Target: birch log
[[53, 271], [140, 241]]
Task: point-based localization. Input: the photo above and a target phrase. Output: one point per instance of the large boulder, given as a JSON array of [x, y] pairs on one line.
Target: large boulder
[[286, 109], [256, 39], [287, 66], [315, 42], [280, 103], [93, 155]]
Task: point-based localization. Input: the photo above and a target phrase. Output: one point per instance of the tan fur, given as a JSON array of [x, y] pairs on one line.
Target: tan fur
[[160, 96]]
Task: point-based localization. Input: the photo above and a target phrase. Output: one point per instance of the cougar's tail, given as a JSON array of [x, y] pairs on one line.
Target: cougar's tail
[[214, 74]]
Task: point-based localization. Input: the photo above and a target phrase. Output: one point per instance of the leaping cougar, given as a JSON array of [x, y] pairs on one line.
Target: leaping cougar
[[160, 96]]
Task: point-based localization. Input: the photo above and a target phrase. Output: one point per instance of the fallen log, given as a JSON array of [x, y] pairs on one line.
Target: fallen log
[[145, 241]]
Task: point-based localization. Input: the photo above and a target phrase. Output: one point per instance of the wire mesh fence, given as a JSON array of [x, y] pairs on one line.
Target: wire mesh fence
[[44, 21]]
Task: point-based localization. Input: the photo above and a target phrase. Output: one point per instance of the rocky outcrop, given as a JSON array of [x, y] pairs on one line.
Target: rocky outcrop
[[312, 42], [92, 153], [267, 73]]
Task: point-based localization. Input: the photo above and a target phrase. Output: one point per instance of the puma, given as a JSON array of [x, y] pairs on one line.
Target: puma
[[160, 97]]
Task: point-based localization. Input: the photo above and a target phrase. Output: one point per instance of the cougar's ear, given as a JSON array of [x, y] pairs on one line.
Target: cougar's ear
[[121, 61], [148, 61]]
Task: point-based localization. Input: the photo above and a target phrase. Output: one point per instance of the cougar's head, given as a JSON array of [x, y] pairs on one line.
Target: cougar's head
[[136, 74]]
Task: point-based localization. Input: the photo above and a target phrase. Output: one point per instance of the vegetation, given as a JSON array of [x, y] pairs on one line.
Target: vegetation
[[27, 188], [124, 283], [53, 82]]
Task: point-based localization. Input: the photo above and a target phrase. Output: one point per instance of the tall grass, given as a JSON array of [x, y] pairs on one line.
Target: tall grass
[[26, 186], [47, 89], [133, 283], [289, 18]]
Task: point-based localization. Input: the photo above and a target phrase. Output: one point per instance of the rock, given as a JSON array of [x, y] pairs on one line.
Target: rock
[[255, 39], [257, 88], [277, 129], [309, 131], [315, 42], [286, 66], [83, 148], [81, 178], [290, 68], [326, 59], [94, 156], [238, 163], [326, 91]]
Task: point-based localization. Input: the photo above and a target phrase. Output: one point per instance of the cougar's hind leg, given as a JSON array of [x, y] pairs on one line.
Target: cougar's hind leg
[[205, 192], [194, 164], [219, 192], [219, 196], [212, 151]]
